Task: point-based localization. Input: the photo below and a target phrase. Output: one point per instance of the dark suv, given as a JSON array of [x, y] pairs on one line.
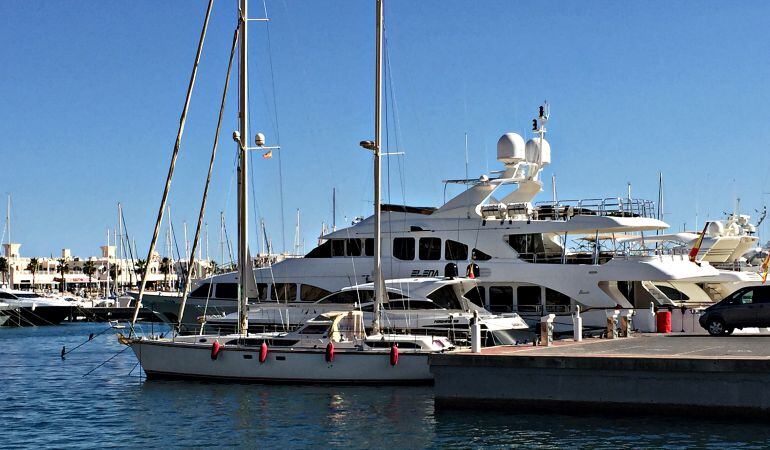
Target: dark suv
[[746, 307]]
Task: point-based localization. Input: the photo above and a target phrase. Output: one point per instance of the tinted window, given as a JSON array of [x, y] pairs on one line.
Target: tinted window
[[430, 249], [500, 298], [6, 295], [403, 248], [353, 247], [528, 298], [409, 304], [445, 297], [322, 251], [555, 301], [478, 255], [743, 297], [476, 296], [338, 247], [310, 293], [349, 297], [526, 243], [202, 291], [762, 294], [284, 291], [369, 247], [226, 290], [261, 292], [455, 251]]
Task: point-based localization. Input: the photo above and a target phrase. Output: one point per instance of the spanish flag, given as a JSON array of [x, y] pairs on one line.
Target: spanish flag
[[268, 155], [696, 248]]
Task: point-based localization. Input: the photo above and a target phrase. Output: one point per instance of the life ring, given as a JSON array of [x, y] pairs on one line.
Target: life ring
[[394, 355], [215, 348], [263, 352], [329, 356]]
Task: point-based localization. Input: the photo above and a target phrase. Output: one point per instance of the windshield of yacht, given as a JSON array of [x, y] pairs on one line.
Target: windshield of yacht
[[27, 295], [403, 304], [445, 297]]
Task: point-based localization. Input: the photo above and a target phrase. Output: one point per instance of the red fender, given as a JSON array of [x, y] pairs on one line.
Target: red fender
[[263, 353], [394, 355], [329, 352], [215, 348]]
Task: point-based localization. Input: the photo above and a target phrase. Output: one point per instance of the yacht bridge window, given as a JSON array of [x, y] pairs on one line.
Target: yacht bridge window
[[500, 299], [284, 291], [478, 255], [556, 302], [226, 290], [310, 293], [403, 248], [261, 292], [528, 298], [476, 295], [322, 251], [455, 251], [430, 249], [445, 297]]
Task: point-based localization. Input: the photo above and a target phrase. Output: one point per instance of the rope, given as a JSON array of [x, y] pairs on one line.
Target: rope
[[91, 337], [202, 212], [174, 156], [105, 362]]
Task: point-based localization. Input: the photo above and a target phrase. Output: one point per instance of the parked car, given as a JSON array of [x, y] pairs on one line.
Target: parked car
[[746, 307]]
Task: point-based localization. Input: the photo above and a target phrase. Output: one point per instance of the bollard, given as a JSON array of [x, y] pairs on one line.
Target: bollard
[[577, 325], [612, 324], [475, 333], [546, 330], [651, 324], [626, 324]]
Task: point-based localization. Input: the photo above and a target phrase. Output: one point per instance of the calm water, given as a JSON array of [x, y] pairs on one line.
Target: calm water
[[47, 401]]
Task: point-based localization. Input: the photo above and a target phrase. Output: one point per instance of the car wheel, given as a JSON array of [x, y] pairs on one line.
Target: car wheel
[[716, 327]]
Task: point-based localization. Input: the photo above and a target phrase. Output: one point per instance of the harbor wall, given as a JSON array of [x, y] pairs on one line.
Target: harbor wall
[[707, 387]]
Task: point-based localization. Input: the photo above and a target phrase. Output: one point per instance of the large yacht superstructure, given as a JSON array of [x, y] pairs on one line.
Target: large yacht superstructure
[[527, 257]]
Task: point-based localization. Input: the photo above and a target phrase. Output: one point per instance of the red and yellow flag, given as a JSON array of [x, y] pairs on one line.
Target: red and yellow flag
[[696, 248], [267, 155], [765, 266]]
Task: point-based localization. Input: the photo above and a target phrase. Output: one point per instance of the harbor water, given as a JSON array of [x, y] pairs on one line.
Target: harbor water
[[83, 401]]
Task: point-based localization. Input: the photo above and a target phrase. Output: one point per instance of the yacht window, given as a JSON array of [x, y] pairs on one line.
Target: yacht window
[[353, 247], [430, 249], [526, 244], [445, 297], [369, 247], [349, 297], [310, 293], [500, 298], [478, 255], [556, 302], [261, 292], [315, 329], [476, 295], [5, 295], [226, 290], [528, 298], [403, 248], [201, 291], [338, 247], [671, 293], [322, 251], [410, 304], [284, 291], [455, 251]]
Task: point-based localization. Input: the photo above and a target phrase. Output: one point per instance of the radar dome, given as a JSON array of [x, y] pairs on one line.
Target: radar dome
[[511, 148], [537, 153]]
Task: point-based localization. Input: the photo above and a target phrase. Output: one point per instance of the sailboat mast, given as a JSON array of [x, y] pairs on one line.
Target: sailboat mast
[[377, 273], [244, 265]]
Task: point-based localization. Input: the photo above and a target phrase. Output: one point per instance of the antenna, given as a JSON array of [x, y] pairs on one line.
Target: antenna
[[334, 209], [553, 189]]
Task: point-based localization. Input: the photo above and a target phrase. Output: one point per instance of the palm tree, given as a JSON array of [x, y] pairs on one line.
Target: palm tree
[[63, 268], [140, 268], [115, 272], [165, 269], [4, 269], [89, 268], [33, 266]]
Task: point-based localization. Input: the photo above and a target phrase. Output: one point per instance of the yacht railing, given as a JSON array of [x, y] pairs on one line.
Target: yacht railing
[[612, 207]]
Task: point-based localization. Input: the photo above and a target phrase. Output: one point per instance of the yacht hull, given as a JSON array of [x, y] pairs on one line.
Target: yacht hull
[[167, 360], [38, 316]]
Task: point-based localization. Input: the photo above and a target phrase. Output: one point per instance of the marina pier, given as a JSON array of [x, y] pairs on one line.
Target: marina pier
[[686, 374]]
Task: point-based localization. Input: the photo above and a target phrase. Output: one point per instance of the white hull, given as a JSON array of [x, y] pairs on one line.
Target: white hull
[[193, 361]]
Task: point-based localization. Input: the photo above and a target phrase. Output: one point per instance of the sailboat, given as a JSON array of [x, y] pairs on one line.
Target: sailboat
[[330, 348]]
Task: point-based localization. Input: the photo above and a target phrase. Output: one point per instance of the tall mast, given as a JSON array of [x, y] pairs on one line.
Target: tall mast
[[8, 218], [377, 275], [120, 233], [244, 265]]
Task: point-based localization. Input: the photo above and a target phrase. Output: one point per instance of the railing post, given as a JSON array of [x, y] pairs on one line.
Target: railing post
[[577, 325]]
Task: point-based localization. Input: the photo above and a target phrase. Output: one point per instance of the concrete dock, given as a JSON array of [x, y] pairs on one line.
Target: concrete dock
[[658, 374]]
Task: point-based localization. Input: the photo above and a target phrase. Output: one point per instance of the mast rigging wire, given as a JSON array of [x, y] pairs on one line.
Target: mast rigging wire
[[174, 156]]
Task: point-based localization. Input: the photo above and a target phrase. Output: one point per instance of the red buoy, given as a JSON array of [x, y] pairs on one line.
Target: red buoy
[[394, 355], [215, 347], [263, 353], [329, 352]]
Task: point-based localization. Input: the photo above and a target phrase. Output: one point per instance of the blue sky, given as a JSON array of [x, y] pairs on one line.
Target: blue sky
[[92, 93]]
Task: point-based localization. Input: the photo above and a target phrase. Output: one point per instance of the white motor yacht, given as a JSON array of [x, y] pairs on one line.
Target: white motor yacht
[[31, 309]]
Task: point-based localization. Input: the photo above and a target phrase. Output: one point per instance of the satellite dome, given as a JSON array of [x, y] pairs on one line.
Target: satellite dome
[[511, 148], [537, 152]]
